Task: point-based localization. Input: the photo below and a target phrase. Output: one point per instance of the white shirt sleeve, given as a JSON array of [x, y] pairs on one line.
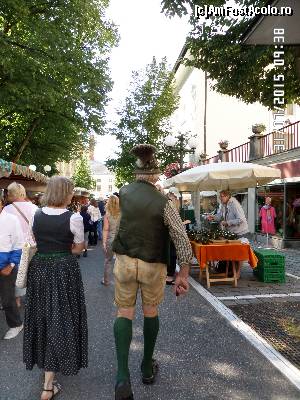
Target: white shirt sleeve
[[76, 227]]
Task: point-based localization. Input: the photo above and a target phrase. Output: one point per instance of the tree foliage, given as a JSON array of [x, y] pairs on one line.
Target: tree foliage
[[54, 77], [83, 175], [144, 118], [246, 75]]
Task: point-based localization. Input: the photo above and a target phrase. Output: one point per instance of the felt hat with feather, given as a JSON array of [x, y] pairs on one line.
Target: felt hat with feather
[[146, 162]]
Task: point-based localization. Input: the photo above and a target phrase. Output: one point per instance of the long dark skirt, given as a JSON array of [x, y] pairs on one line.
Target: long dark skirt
[[55, 323]]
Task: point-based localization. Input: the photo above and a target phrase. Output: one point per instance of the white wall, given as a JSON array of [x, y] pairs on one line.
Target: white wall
[[227, 117]]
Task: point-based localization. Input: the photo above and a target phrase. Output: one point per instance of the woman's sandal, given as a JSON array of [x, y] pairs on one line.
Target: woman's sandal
[[55, 390]]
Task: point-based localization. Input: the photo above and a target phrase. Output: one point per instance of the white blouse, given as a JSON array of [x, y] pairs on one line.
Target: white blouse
[[94, 213], [76, 222]]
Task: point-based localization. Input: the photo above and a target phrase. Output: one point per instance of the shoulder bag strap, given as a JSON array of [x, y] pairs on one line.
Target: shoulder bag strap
[[20, 212], [26, 219]]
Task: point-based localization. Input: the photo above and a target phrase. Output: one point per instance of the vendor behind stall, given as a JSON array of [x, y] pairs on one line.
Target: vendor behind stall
[[232, 217]]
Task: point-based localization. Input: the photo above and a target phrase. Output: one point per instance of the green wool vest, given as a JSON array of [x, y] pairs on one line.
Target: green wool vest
[[142, 233]]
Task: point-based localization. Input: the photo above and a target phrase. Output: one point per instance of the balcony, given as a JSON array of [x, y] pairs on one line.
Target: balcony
[[262, 146]]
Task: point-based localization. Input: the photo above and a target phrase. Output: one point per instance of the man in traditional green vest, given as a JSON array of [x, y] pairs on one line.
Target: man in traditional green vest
[[147, 221]]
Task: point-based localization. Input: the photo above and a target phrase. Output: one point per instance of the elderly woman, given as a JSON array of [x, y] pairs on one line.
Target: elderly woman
[[24, 210], [11, 240], [20, 207], [232, 217], [55, 323], [111, 222]]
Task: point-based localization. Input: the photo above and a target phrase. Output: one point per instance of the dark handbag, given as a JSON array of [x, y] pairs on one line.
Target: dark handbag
[[6, 271]]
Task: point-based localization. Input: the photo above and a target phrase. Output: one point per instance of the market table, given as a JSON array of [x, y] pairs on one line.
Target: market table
[[234, 251]]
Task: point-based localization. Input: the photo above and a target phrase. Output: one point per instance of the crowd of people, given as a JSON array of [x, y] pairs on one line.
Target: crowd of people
[[144, 240], [55, 320]]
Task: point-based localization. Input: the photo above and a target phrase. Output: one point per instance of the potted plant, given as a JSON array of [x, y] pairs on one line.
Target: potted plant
[[223, 143], [258, 128], [203, 156]]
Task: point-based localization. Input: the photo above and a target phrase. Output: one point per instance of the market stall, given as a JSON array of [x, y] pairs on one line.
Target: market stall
[[222, 176], [32, 181], [234, 251]]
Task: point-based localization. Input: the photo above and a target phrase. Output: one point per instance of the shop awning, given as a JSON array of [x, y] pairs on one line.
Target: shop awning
[[10, 172]]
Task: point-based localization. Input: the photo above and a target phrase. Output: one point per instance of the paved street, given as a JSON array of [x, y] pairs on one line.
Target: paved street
[[200, 355]]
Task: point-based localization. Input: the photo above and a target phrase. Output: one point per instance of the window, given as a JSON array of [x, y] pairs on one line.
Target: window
[[98, 188], [98, 180], [110, 180], [110, 188]]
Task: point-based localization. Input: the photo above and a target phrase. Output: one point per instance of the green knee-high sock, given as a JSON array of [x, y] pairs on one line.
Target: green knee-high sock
[[151, 328], [123, 337]]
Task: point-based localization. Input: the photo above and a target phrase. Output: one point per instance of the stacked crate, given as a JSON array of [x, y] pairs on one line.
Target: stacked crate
[[270, 267]]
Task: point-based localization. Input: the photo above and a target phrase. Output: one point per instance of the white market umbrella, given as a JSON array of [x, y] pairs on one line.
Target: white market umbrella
[[223, 176], [208, 193]]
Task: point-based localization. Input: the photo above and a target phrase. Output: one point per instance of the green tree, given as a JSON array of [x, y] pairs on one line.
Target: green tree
[[54, 77], [145, 118], [246, 75], [83, 175]]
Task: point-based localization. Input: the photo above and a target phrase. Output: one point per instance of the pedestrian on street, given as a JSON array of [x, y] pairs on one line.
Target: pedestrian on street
[[24, 210], [55, 323], [11, 240], [95, 214], [86, 224], [268, 214], [147, 219], [111, 223], [101, 207]]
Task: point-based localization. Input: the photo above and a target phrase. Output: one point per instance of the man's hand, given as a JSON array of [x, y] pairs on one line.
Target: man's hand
[[181, 285], [210, 218]]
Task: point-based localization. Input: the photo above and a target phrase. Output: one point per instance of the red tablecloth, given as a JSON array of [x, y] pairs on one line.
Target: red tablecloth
[[223, 251]]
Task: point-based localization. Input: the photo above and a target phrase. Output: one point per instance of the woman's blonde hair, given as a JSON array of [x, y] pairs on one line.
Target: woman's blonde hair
[[112, 206], [16, 191], [58, 189]]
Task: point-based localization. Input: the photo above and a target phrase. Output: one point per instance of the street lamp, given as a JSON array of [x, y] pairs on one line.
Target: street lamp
[[47, 168], [178, 144]]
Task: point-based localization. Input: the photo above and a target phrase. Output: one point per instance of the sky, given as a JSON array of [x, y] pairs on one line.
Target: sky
[[144, 33]]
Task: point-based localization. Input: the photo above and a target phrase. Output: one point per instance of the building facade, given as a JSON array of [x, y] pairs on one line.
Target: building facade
[[209, 115], [278, 149], [104, 179]]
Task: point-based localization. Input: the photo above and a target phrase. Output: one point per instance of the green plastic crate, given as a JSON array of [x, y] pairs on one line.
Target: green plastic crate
[[270, 267], [270, 258], [271, 277], [267, 255]]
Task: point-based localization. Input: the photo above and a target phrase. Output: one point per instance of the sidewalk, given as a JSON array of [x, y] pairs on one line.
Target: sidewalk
[[200, 355]]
